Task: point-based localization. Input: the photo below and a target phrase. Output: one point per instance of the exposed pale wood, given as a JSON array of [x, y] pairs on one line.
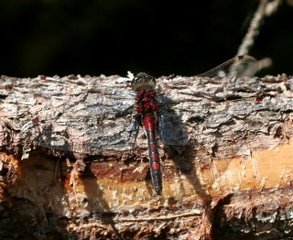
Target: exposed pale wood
[[225, 145]]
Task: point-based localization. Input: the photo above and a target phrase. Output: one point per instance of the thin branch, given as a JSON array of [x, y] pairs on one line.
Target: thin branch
[[167, 218], [265, 8]]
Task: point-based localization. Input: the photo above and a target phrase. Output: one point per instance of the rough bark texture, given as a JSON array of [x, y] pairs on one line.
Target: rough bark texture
[[68, 168]]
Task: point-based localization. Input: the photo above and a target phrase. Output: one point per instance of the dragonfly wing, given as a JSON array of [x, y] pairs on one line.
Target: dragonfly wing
[[239, 66], [86, 136], [61, 134], [172, 130]]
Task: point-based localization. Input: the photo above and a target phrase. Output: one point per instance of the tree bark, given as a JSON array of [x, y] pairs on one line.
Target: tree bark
[[68, 168]]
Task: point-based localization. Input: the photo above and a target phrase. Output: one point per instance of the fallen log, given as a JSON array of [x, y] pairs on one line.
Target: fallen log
[[68, 168]]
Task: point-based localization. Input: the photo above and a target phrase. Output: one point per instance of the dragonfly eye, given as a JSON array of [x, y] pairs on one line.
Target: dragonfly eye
[[143, 81]]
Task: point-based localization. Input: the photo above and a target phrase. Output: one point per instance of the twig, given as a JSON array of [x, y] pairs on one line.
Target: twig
[[265, 8], [192, 213]]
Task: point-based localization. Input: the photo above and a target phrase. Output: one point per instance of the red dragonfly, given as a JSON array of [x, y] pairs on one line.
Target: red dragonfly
[[147, 105], [147, 108]]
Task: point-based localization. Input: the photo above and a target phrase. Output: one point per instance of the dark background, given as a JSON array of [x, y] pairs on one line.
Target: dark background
[[112, 36]]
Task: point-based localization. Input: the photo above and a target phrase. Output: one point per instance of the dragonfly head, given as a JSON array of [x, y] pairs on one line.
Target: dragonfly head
[[143, 81]]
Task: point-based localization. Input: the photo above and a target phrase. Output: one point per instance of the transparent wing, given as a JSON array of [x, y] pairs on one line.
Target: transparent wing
[[239, 66], [173, 130], [78, 135]]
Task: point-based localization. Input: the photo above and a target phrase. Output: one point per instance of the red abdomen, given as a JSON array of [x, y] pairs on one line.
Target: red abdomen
[[147, 106], [149, 123]]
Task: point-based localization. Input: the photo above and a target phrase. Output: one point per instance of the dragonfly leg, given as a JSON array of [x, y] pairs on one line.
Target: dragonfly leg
[[135, 130], [125, 112]]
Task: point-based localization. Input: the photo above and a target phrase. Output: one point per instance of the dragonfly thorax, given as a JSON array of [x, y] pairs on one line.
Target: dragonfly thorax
[[143, 81]]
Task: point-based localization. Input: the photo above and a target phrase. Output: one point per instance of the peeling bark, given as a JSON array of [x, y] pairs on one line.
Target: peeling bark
[[226, 150]]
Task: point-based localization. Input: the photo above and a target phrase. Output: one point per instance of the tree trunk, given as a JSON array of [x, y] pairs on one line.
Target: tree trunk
[[68, 168]]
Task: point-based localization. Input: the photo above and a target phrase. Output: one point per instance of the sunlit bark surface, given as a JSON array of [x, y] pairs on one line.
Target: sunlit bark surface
[[68, 168]]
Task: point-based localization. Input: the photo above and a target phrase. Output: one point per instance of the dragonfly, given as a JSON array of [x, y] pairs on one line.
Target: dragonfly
[[147, 105], [147, 116]]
